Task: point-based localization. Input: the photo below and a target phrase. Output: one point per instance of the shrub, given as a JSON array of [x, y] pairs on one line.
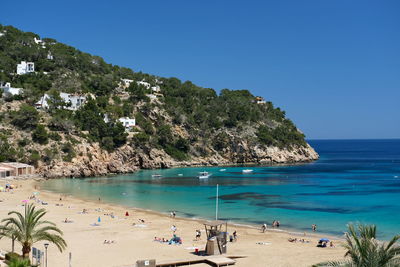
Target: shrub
[[175, 153], [34, 157], [140, 139], [23, 142], [40, 135], [12, 256], [182, 145], [26, 117], [55, 136], [7, 152], [220, 141]]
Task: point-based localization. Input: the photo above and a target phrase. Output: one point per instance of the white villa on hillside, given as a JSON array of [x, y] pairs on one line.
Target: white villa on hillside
[[127, 122], [148, 86], [50, 56], [260, 100], [8, 90], [75, 101], [125, 83], [145, 84], [37, 41], [156, 89], [25, 67]]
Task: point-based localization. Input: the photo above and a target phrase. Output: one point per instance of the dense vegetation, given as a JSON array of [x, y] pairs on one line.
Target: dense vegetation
[[203, 113]]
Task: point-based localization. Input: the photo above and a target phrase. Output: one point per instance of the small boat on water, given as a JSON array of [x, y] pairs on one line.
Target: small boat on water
[[180, 174], [203, 175], [156, 175], [222, 170], [247, 171]]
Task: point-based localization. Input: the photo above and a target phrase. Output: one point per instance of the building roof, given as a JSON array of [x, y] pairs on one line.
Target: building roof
[[6, 168], [14, 165]]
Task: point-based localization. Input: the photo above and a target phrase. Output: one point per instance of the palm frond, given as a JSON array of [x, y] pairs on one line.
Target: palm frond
[[29, 228]]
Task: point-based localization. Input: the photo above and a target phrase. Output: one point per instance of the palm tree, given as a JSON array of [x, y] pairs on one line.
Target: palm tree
[[364, 250], [8, 232], [28, 229]]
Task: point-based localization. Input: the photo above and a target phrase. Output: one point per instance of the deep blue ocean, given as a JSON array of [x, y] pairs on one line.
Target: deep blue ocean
[[353, 181]]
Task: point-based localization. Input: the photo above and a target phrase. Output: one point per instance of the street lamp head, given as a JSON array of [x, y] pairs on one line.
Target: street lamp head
[[46, 245]]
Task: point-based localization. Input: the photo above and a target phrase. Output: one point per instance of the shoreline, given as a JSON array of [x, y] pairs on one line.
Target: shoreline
[[291, 231]]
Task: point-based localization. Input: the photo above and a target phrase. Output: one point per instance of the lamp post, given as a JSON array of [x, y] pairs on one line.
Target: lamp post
[[46, 245]]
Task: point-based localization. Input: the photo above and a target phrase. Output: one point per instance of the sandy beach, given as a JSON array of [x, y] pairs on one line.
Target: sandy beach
[[132, 239]]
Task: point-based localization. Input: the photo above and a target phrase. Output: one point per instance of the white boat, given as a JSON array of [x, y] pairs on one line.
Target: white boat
[[203, 175], [222, 170], [156, 176], [180, 174], [247, 171]]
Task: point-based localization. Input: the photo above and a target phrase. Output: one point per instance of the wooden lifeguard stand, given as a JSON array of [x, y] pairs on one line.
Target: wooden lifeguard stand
[[217, 239]]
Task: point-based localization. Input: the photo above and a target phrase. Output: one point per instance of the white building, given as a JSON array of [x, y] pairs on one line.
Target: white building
[[50, 56], [156, 89], [260, 100], [25, 67], [74, 101], [145, 84], [127, 122], [126, 82], [39, 42], [8, 90]]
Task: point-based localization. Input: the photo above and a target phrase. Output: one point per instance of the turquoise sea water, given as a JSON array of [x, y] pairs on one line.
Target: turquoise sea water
[[354, 181]]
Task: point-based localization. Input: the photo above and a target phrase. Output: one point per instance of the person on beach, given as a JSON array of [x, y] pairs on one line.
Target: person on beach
[[198, 235], [314, 227], [235, 235], [173, 214], [173, 228], [331, 244], [264, 227]]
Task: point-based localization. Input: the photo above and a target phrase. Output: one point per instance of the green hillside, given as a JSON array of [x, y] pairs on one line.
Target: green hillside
[[182, 119]]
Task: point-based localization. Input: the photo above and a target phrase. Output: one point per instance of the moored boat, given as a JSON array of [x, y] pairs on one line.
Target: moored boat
[[204, 175]]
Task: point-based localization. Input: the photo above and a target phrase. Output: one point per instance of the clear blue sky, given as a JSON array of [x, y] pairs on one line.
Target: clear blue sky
[[332, 65]]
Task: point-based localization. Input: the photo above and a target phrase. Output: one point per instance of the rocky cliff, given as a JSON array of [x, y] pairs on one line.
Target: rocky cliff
[[93, 161]]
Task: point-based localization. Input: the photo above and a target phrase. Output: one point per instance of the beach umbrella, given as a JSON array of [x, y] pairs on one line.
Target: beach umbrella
[[324, 239], [99, 219]]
